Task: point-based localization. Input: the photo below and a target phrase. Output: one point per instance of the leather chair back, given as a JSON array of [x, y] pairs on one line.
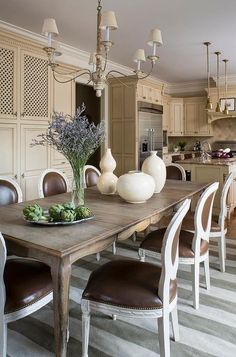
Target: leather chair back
[[175, 172], [53, 184], [10, 192], [91, 175]]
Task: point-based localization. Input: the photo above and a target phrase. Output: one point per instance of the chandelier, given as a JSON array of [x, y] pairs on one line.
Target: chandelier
[[98, 76]]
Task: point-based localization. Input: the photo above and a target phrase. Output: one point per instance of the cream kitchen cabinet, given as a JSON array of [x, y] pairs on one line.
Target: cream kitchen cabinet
[[166, 113], [147, 93], [195, 117], [176, 119], [8, 150]]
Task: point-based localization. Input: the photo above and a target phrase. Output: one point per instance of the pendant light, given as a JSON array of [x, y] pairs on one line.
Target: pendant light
[[209, 103], [218, 108], [225, 111]]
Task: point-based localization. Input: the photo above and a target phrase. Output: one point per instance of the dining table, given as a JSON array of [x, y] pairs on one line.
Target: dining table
[[60, 246]]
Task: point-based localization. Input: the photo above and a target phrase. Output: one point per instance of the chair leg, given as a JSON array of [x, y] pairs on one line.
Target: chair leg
[[141, 253], [114, 248], [207, 272], [3, 339], [98, 256], [221, 247], [164, 335], [175, 323], [85, 331], [114, 317], [195, 284]]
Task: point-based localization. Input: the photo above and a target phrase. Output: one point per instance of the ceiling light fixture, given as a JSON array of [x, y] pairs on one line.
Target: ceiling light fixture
[[209, 103], [226, 111], [218, 108], [98, 75]]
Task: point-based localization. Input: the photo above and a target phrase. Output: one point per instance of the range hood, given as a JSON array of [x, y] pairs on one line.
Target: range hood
[[213, 116]]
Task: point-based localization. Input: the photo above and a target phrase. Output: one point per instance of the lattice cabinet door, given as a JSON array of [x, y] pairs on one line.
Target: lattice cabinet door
[[34, 87], [8, 81]]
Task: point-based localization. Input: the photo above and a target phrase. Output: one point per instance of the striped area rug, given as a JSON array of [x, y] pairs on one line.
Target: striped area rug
[[208, 332]]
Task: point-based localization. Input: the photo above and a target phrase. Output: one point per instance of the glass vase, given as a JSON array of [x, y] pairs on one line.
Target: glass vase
[[78, 186]]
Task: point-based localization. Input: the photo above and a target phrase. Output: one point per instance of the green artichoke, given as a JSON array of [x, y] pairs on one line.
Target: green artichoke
[[83, 212], [33, 213], [68, 206], [68, 215], [55, 212]]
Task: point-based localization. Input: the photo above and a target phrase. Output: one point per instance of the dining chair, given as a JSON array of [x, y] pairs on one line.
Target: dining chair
[[193, 246], [52, 182], [130, 288], [218, 226], [91, 175], [25, 287], [10, 191], [175, 172]]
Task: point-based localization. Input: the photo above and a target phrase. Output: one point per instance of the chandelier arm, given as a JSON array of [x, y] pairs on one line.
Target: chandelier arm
[[69, 73], [105, 64], [148, 74], [117, 78], [72, 79]]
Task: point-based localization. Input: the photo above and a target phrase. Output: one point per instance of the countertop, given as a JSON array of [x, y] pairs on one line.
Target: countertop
[[216, 162]]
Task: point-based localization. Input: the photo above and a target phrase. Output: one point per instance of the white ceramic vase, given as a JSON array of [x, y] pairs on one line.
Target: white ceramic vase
[[155, 166], [135, 187], [106, 183]]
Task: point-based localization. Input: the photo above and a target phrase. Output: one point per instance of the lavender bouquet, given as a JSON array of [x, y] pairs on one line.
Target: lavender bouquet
[[76, 139]]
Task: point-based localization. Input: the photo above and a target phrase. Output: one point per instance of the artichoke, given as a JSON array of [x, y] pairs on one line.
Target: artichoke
[[68, 215], [83, 212], [68, 205], [55, 212], [33, 213]]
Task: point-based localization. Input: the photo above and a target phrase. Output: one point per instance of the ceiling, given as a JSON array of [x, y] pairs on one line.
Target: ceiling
[[185, 24]]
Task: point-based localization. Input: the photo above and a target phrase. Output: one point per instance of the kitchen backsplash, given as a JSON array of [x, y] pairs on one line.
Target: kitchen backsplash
[[223, 129]]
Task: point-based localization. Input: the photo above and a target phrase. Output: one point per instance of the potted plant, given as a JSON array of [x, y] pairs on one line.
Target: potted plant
[[182, 145]]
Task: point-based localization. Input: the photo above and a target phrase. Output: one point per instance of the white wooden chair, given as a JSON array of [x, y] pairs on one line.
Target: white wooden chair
[[175, 172], [91, 175], [193, 246], [52, 182], [27, 288], [218, 226], [130, 288], [10, 191]]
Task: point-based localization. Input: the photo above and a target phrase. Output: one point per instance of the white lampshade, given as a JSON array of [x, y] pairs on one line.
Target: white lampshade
[[139, 55], [92, 58], [155, 37], [108, 20], [50, 27]]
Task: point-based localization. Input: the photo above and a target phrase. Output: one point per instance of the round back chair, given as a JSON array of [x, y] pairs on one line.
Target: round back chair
[[10, 191], [91, 175], [175, 172], [52, 182]]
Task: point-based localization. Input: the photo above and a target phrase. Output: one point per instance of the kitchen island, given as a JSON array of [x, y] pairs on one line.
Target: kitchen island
[[213, 170]]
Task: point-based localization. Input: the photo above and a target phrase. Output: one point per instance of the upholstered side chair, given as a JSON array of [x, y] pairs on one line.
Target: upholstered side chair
[[130, 288], [193, 246], [175, 172], [218, 225], [10, 191], [25, 287], [52, 182]]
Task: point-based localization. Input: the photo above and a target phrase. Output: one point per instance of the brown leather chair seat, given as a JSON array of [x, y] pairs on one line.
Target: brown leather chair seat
[[8, 193], [26, 281], [188, 223], [173, 173], [127, 283], [154, 239]]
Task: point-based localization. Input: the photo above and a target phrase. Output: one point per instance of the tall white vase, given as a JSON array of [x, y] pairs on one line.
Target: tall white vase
[[155, 166], [106, 183]]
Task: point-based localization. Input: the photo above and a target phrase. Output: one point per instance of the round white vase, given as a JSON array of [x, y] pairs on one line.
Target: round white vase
[[106, 183], [135, 187], [155, 166]]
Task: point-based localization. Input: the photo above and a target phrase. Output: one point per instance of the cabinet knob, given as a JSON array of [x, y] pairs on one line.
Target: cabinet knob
[[15, 114], [23, 114], [157, 100], [23, 175], [15, 176], [144, 97]]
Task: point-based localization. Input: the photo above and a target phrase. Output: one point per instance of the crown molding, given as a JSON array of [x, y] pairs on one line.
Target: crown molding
[[231, 80], [189, 87]]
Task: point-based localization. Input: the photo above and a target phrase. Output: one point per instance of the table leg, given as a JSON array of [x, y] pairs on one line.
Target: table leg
[[61, 274]]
